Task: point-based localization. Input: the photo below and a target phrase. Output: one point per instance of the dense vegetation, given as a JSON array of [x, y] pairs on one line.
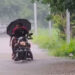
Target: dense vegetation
[[13, 9], [56, 44], [58, 14]]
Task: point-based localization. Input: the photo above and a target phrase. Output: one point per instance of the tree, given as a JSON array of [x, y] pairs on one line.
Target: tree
[[12, 9], [59, 7]]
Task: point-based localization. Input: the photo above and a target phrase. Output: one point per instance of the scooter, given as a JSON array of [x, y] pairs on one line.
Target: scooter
[[22, 49]]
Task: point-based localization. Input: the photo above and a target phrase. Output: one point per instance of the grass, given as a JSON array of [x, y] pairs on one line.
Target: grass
[[55, 45]]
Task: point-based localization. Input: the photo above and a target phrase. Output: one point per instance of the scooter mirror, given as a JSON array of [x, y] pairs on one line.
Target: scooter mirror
[[30, 34]]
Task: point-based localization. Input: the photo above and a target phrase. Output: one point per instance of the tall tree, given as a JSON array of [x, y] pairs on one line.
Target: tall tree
[[60, 7]]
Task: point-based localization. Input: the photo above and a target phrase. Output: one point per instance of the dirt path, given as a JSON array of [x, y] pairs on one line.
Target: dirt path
[[42, 64]]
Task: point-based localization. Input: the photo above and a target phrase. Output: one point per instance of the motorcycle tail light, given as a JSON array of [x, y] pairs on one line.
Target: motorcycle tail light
[[22, 43]]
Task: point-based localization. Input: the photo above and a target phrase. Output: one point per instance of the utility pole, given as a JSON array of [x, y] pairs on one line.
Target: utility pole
[[35, 17], [68, 26], [50, 23]]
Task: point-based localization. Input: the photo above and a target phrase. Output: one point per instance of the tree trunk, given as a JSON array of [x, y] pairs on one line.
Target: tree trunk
[[35, 17], [68, 26]]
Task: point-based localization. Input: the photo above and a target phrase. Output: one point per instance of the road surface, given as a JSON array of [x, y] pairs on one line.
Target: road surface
[[41, 65]]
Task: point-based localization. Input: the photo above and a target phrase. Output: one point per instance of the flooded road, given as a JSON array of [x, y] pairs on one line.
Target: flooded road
[[41, 65]]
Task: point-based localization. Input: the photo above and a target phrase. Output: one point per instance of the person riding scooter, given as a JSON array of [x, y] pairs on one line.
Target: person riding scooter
[[18, 31]]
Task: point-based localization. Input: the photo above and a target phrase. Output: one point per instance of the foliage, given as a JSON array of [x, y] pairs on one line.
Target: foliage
[[60, 22], [73, 24], [65, 49], [55, 45], [58, 13], [44, 40], [12, 9], [60, 5]]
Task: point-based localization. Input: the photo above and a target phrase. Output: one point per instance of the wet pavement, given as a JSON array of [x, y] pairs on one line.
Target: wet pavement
[[41, 65]]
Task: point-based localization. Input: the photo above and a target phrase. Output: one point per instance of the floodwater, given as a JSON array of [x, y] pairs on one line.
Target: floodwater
[[41, 65]]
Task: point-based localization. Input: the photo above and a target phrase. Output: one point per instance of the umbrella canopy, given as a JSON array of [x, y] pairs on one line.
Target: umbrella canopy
[[12, 25]]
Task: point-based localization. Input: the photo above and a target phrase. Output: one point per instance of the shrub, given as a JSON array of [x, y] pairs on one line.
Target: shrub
[[65, 49], [55, 45]]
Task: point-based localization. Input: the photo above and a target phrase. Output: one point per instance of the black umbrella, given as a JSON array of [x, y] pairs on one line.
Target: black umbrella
[[12, 25]]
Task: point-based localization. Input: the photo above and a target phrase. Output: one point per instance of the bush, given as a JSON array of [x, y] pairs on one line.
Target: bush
[[45, 40], [65, 49], [55, 45]]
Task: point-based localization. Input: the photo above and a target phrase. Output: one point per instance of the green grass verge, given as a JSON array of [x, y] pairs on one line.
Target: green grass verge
[[54, 44]]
